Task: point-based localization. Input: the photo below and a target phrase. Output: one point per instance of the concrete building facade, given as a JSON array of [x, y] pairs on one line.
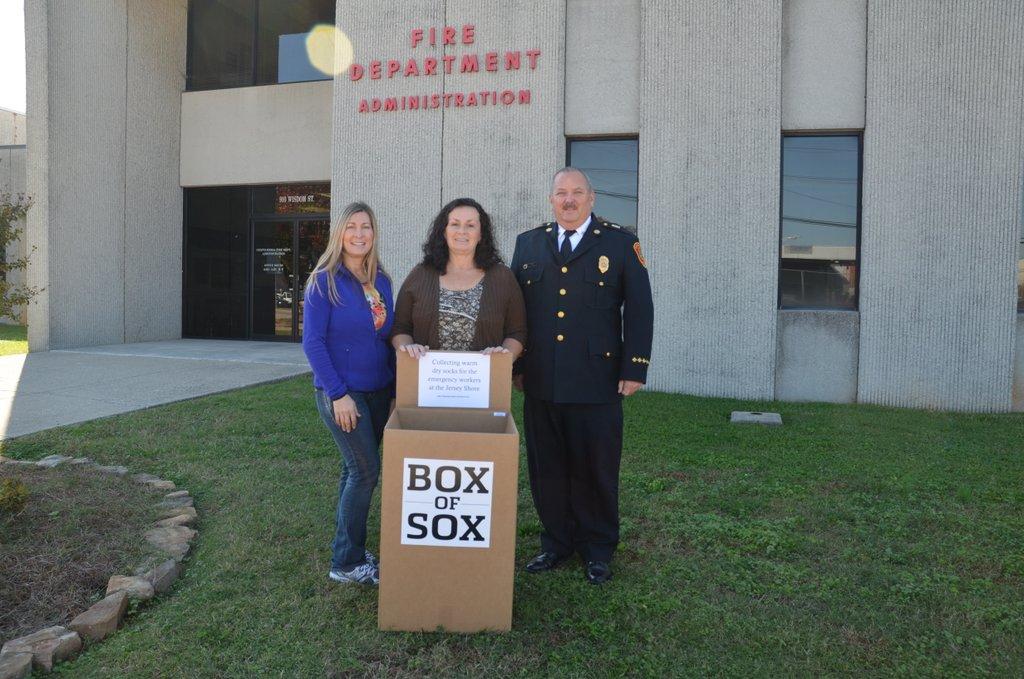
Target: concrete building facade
[[752, 124]]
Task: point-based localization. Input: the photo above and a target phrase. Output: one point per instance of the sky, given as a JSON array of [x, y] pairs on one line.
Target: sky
[[12, 55]]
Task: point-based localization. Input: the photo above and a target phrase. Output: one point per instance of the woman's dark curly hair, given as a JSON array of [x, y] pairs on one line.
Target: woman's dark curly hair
[[435, 250]]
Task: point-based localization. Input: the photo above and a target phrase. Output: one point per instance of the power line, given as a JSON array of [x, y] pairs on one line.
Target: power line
[[823, 200], [845, 225], [820, 179]]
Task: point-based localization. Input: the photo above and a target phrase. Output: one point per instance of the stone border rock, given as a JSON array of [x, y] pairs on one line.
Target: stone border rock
[[171, 534]]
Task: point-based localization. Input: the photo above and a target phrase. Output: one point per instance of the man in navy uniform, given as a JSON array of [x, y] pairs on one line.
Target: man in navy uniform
[[591, 322]]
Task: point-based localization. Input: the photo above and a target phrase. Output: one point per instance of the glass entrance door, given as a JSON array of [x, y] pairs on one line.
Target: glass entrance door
[[284, 253]]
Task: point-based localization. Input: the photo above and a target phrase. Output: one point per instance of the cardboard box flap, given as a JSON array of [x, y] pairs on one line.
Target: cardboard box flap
[[454, 379]]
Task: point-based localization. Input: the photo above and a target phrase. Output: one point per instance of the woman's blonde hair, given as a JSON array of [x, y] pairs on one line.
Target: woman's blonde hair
[[331, 259]]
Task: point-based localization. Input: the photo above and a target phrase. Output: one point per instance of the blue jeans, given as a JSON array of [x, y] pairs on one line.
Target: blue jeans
[[360, 468]]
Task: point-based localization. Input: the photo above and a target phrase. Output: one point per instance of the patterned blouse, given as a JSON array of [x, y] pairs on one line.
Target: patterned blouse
[[377, 308], [457, 313]]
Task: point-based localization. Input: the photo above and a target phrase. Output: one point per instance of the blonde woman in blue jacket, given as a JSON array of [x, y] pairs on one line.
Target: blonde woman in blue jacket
[[347, 317]]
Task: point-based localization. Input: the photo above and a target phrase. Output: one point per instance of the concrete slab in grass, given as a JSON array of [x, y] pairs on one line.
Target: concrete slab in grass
[[748, 417]]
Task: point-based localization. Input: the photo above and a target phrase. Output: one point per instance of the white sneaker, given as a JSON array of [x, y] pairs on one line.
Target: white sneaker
[[371, 559], [363, 574]]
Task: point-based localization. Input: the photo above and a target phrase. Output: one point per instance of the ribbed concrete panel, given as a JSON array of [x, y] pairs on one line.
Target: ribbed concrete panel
[[392, 160], [504, 156], [602, 67], [709, 192], [823, 51], [942, 203], [87, 171], [156, 68], [1018, 367], [257, 135], [817, 356], [37, 171]]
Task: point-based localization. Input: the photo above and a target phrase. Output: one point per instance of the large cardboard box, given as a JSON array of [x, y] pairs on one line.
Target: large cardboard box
[[448, 496]]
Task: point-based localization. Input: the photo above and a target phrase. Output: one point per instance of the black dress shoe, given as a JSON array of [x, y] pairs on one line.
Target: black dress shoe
[[597, 572], [545, 561]]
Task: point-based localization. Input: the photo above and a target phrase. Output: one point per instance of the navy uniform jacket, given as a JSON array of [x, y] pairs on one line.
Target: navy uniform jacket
[[591, 320]]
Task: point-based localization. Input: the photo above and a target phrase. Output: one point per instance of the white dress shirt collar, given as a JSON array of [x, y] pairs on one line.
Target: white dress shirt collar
[[582, 229]]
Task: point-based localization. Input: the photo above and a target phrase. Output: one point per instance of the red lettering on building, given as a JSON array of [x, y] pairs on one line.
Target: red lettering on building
[[468, 62]]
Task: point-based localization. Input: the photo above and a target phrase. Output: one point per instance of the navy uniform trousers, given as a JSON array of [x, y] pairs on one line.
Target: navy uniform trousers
[[573, 452]]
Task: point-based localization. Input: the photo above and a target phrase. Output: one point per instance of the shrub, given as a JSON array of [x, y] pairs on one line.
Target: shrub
[[13, 210], [13, 496]]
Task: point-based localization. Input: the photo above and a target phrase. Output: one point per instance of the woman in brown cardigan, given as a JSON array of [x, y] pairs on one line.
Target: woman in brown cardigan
[[460, 297]]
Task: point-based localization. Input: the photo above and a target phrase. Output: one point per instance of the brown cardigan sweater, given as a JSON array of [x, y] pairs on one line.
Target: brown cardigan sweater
[[502, 311]]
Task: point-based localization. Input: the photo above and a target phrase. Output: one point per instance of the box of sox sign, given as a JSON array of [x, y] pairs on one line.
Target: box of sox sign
[[446, 503]]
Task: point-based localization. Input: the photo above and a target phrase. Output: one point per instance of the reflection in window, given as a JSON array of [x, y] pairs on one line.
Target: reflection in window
[[281, 55], [1020, 277], [220, 43], [611, 165], [820, 222], [237, 43]]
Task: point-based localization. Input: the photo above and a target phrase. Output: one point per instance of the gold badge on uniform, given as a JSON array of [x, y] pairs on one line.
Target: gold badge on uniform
[[639, 255], [603, 264]]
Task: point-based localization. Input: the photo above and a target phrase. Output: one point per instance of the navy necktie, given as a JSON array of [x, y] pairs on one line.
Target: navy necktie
[[566, 248]]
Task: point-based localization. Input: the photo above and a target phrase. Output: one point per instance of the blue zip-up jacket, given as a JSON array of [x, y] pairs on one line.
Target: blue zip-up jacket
[[344, 350]]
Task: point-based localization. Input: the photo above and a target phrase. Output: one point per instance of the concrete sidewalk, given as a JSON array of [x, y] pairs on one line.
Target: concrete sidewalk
[[49, 389]]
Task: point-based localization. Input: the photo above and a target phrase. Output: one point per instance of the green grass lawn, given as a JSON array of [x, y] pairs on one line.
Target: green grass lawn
[[853, 540], [13, 339]]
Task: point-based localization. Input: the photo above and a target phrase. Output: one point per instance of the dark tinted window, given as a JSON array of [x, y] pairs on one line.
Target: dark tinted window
[[220, 43], [281, 55], [611, 165], [236, 43], [216, 256], [819, 255]]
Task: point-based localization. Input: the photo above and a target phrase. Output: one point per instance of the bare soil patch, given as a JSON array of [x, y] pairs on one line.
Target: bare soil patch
[[80, 526]]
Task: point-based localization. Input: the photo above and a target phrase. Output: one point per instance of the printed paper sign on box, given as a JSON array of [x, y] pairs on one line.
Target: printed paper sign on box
[[454, 380], [446, 503]]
